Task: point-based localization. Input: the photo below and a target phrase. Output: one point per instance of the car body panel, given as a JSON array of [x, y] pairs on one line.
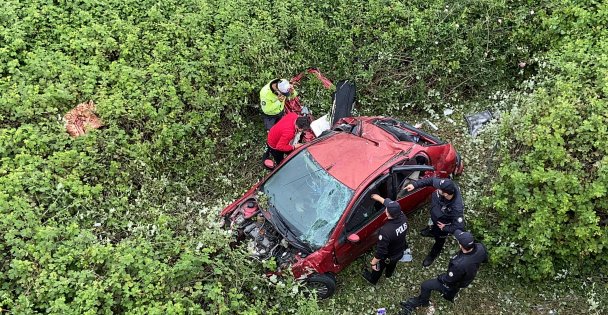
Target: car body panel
[[351, 164]]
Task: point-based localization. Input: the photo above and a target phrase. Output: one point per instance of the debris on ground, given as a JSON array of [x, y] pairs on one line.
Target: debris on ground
[[432, 125], [475, 121], [81, 119]]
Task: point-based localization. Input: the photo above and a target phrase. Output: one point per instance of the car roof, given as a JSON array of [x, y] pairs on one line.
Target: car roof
[[351, 159]]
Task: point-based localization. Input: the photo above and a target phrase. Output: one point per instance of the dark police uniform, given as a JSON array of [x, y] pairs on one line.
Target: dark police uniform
[[391, 245], [461, 271], [448, 212]]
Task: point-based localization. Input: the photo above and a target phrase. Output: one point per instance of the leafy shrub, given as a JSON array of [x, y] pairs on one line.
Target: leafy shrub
[[102, 223], [170, 75], [550, 191], [114, 221], [408, 54], [77, 238]]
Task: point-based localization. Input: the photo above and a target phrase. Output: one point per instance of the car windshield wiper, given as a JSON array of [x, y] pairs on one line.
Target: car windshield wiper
[[287, 231]]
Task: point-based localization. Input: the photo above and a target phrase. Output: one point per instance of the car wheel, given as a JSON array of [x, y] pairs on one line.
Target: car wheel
[[325, 285]]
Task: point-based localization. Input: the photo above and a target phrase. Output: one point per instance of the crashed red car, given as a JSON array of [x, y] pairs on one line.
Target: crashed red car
[[314, 212]]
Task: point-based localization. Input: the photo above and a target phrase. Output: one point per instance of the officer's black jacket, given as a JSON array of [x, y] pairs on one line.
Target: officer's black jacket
[[391, 239], [463, 267], [448, 212]]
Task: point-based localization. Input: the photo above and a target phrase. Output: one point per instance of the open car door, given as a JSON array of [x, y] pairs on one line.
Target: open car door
[[403, 175], [364, 219], [343, 100]]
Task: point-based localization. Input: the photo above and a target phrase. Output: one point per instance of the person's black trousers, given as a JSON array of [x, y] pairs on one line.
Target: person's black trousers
[[429, 286], [277, 155], [440, 237], [271, 120], [388, 269]]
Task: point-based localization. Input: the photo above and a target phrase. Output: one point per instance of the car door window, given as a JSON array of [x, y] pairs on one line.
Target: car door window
[[404, 179], [405, 173], [366, 208]]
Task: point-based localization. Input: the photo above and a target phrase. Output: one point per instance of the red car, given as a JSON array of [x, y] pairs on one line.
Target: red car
[[314, 212]]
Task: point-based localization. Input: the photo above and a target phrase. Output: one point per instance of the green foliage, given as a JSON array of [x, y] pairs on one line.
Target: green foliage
[[550, 192], [118, 221], [170, 75], [107, 222], [65, 250], [78, 238], [410, 54]]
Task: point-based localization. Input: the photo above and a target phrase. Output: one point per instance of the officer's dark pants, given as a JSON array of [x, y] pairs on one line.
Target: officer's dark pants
[[440, 237], [388, 269], [429, 286], [270, 120]]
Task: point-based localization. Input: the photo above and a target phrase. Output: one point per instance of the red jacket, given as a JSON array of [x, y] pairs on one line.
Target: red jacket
[[282, 133]]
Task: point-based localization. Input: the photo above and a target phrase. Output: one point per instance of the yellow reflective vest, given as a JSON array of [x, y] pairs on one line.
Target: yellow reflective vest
[[270, 102]]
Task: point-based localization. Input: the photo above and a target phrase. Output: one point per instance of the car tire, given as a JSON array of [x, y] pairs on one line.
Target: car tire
[[325, 285]]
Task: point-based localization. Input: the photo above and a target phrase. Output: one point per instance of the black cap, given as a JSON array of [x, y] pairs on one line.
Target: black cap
[[464, 238], [393, 207], [447, 186]]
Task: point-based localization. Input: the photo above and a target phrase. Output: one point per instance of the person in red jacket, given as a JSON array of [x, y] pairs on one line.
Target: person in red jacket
[[281, 137]]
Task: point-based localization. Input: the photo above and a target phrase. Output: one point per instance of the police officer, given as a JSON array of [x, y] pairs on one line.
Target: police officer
[[391, 241], [447, 212], [461, 271]]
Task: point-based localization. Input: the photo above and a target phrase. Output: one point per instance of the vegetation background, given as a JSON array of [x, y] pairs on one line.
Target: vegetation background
[[123, 220]]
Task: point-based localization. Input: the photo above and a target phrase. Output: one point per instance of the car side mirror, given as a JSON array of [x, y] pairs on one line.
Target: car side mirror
[[353, 238]]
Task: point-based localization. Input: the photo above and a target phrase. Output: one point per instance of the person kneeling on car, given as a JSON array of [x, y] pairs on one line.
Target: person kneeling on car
[[461, 271], [391, 241], [281, 138]]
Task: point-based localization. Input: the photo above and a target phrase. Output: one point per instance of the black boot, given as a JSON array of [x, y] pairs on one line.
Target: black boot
[[367, 275], [414, 302], [426, 232], [411, 302], [434, 252], [409, 306], [451, 295], [428, 260]]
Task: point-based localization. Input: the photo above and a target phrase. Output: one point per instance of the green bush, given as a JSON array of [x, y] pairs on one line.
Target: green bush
[[78, 237], [169, 75], [550, 191], [116, 221], [103, 223], [412, 55]]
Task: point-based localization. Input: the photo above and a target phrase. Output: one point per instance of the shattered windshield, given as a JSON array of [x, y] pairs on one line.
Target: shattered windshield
[[308, 198]]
